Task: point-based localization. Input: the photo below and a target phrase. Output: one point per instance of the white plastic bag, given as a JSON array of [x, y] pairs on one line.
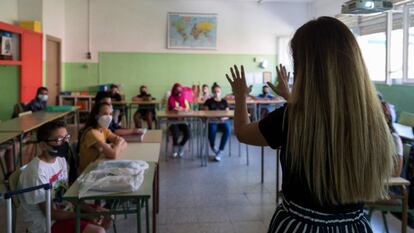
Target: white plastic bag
[[113, 176]]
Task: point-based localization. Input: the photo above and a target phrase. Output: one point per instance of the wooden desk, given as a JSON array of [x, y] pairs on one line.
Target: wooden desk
[[149, 152], [30, 122], [127, 105], [142, 195], [153, 136], [393, 205], [7, 136], [404, 131]]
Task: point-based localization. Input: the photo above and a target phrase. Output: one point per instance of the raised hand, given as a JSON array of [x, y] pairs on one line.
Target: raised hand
[[282, 87], [238, 82]]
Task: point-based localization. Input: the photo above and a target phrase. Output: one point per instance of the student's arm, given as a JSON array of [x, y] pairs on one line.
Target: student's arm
[[245, 131], [398, 164], [125, 132], [136, 98], [57, 215]]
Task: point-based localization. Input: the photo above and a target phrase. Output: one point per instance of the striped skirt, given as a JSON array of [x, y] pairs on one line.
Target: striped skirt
[[292, 218]]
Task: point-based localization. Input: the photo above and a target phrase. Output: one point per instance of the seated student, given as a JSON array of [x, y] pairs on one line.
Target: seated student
[[50, 167], [265, 108], [217, 103], [113, 93], [95, 135], [114, 127], [398, 157], [177, 102], [146, 112], [205, 95], [39, 103]]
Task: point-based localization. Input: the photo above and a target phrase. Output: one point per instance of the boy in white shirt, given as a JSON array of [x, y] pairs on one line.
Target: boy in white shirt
[[50, 167]]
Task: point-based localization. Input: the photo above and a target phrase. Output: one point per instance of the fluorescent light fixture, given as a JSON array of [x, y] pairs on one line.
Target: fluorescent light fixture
[[370, 4]]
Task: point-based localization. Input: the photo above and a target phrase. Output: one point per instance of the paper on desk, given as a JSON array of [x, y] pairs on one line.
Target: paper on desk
[[112, 176]]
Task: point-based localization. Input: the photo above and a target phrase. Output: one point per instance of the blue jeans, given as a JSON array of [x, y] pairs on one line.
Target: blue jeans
[[222, 127]]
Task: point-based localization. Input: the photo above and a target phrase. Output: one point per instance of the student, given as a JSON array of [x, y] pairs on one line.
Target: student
[[398, 157], [332, 133], [50, 167], [95, 135], [265, 108], [39, 103], [177, 102], [205, 95], [114, 127], [146, 112], [217, 103]]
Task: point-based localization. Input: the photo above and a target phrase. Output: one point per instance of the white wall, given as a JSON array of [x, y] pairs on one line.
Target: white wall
[[141, 25], [54, 22], [327, 7], [29, 9], [8, 11]]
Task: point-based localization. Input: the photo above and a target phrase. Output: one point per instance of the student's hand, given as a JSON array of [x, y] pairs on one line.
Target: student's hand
[[238, 82], [282, 87]]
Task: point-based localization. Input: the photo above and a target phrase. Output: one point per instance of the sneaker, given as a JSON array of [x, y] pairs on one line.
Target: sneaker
[[218, 158], [181, 151], [175, 151], [174, 155]]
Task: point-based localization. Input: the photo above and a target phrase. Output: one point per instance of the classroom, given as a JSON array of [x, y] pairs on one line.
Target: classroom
[[206, 116]]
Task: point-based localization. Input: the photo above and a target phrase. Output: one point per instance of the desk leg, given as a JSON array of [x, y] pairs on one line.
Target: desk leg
[[404, 210], [14, 154], [139, 215], [77, 121], [21, 137], [147, 224], [262, 165], [78, 217], [166, 141], [277, 175]]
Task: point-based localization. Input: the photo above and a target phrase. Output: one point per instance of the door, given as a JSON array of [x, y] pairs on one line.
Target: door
[[53, 68]]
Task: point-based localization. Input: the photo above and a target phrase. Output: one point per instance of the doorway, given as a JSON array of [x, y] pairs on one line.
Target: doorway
[[53, 68]]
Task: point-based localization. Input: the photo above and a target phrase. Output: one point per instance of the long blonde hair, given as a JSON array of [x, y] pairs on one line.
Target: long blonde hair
[[337, 136]]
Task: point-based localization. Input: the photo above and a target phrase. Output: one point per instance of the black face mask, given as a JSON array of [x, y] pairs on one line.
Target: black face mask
[[59, 151]]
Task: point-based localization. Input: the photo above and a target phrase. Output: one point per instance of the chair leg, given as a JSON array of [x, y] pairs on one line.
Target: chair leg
[[384, 219], [230, 145], [369, 215], [239, 149], [247, 155]]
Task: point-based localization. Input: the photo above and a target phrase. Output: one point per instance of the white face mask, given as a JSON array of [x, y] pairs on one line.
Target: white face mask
[[217, 94], [104, 121], [43, 97]]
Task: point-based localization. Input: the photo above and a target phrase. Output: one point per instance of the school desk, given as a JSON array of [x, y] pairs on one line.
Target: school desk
[[30, 122], [141, 196], [404, 131], [128, 105]]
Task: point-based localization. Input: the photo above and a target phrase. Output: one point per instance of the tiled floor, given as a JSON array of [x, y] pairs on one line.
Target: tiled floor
[[225, 197]]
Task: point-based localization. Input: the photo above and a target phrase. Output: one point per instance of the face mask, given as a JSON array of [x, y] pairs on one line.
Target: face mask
[[59, 151], [217, 95], [104, 121], [42, 97]]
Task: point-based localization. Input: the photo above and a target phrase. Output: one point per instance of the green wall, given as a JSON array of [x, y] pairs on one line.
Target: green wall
[[159, 71], [9, 90], [402, 96]]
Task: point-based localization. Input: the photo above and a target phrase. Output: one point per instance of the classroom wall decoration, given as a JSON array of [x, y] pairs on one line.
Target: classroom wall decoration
[[192, 31]]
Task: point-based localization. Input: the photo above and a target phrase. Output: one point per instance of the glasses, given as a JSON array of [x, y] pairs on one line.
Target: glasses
[[59, 140]]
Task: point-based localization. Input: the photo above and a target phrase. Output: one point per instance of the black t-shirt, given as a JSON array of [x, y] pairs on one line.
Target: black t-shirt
[[115, 97], [212, 104], [295, 186]]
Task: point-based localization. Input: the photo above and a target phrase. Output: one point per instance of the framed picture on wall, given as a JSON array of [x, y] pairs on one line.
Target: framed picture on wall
[[192, 31], [6, 46]]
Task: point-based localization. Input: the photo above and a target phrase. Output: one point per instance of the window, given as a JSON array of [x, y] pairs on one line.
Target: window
[[373, 49], [387, 36], [397, 44], [410, 74]]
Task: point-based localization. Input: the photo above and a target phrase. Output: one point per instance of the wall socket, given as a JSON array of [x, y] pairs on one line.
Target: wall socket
[[88, 55]]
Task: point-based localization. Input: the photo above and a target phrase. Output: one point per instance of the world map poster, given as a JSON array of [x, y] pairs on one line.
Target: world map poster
[[192, 31]]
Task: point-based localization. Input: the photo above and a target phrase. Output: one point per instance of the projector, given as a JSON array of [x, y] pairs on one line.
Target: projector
[[359, 7]]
